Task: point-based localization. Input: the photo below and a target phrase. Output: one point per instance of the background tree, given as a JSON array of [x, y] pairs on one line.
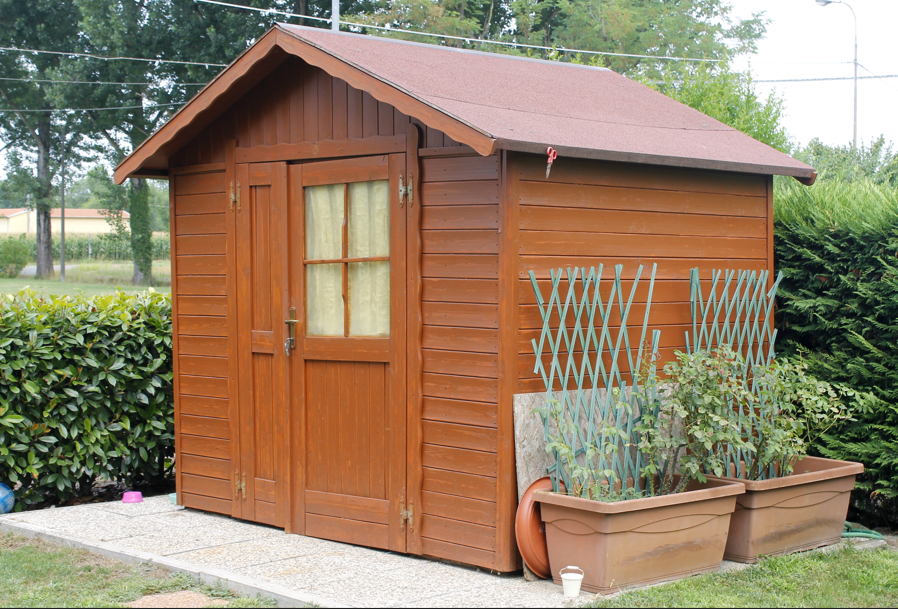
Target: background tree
[[31, 129], [876, 161], [731, 98]]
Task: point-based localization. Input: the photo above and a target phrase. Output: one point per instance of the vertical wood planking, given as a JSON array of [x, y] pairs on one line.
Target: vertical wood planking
[[280, 379], [414, 316], [297, 116], [509, 263], [341, 125], [232, 343], [175, 352], [245, 363], [299, 103], [325, 106], [369, 115], [297, 452], [310, 104], [354, 112]]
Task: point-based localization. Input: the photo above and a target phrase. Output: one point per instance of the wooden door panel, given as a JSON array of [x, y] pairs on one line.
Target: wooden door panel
[[351, 403], [261, 299], [346, 404], [348, 531]]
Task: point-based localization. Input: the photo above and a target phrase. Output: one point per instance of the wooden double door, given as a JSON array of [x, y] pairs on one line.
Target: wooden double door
[[322, 284]]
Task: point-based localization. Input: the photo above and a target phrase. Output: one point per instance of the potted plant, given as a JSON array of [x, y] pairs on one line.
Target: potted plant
[[637, 507], [793, 501]]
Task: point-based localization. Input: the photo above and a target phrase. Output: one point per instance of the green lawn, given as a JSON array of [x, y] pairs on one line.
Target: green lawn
[[35, 574], [91, 279], [844, 578]]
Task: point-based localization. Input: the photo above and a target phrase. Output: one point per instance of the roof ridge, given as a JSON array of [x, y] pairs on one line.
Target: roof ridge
[[443, 48]]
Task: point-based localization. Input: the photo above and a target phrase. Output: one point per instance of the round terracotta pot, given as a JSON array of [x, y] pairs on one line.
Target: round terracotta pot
[[530, 532]]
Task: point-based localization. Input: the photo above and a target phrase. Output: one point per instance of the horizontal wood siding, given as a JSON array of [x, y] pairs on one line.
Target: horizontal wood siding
[[460, 220], [298, 103], [201, 307], [590, 213]]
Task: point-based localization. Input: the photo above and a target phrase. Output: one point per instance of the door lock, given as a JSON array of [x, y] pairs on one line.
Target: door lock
[[290, 343]]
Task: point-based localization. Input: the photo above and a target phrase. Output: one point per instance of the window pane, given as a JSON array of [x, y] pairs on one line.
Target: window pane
[[369, 219], [324, 222], [324, 300], [369, 298]]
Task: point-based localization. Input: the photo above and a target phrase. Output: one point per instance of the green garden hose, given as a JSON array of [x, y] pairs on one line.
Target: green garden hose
[[856, 531]]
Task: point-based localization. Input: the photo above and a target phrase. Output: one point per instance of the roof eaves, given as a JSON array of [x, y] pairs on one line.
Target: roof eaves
[[169, 123], [806, 176]]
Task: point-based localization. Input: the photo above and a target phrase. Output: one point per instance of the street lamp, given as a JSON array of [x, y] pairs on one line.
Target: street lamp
[[826, 3]]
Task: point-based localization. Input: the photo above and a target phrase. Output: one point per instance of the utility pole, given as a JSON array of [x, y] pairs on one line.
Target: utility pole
[[62, 222], [335, 15]]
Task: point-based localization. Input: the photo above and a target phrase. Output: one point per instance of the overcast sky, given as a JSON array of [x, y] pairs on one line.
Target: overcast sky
[[800, 37]]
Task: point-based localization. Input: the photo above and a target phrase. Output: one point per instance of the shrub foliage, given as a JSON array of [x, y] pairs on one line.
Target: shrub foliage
[[85, 391], [836, 244], [97, 247], [15, 255]]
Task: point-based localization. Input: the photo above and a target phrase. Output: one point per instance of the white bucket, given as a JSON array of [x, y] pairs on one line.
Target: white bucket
[[570, 582]]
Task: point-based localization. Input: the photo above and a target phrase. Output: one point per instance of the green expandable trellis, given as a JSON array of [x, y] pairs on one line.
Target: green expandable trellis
[[734, 314], [577, 331], [738, 313]]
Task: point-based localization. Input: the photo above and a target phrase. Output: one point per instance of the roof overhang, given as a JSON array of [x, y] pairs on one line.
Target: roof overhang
[[151, 158]]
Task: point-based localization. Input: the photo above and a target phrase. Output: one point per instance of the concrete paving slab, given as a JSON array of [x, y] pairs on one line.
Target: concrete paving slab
[[88, 522], [256, 559], [171, 542], [150, 505], [396, 588], [245, 554]]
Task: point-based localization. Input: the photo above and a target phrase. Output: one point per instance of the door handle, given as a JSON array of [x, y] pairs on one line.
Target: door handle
[[290, 343]]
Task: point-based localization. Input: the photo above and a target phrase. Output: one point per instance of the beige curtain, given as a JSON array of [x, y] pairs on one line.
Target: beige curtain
[[369, 237], [324, 241]]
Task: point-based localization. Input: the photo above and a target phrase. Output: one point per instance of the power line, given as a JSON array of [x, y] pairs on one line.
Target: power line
[[90, 109], [874, 76], [96, 82], [465, 39], [830, 78], [105, 58]]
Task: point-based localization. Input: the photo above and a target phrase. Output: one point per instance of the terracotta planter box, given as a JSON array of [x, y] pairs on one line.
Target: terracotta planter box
[[799, 512], [642, 541]]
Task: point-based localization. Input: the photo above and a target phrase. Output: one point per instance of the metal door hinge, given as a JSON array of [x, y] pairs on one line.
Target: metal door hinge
[[238, 196], [239, 485], [233, 198], [406, 516], [410, 191], [402, 190]]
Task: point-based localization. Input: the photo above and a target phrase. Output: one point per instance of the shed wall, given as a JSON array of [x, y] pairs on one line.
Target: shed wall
[[589, 213], [202, 328], [460, 217], [460, 199]]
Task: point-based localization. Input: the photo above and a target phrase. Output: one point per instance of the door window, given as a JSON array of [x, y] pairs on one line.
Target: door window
[[347, 259]]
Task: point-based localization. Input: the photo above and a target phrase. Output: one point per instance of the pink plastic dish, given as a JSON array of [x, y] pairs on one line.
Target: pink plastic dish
[[132, 497]]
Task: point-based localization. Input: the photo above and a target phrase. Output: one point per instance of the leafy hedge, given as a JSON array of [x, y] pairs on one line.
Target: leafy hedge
[[836, 244], [101, 247], [85, 391]]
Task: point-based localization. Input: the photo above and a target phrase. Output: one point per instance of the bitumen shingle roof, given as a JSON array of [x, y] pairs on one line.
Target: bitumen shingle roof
[[508, 102]]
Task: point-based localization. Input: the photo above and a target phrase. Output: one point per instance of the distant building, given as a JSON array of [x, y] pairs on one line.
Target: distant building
[[17, 221]]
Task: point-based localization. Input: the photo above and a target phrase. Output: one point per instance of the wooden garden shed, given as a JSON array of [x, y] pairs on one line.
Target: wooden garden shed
[[353, 221]]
